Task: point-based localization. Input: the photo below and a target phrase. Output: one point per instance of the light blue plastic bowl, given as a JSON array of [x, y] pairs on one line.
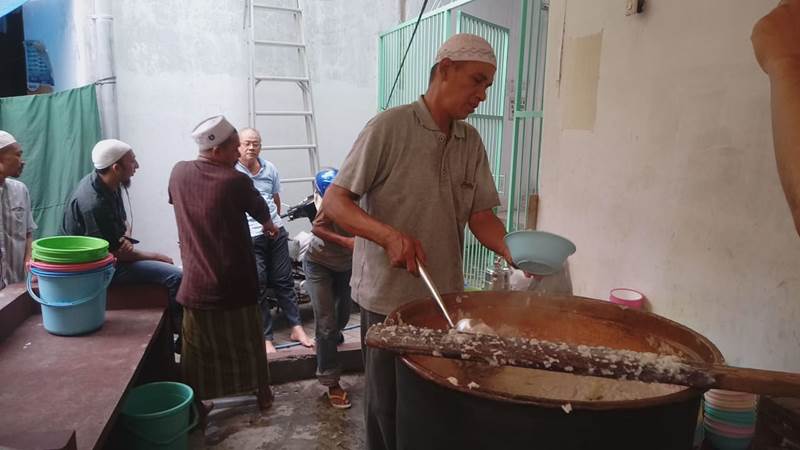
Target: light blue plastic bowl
[[539, 252]]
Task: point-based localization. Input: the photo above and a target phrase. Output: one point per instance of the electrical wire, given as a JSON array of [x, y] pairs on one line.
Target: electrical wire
[[403, 61]]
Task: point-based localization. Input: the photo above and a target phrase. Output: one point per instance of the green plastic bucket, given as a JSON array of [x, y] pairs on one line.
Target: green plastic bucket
[[69, 249], [156, 416]]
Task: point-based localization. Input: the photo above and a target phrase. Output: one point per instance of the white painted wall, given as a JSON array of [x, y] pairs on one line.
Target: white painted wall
[[176, 65], [674, 190]]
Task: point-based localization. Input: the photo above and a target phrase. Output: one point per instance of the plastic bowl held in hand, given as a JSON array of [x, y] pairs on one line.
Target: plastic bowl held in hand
[[539, 252], [69, 249]]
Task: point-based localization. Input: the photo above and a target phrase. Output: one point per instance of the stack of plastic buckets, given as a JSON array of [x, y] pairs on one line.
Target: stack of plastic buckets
[[730, 419], [74, 273]]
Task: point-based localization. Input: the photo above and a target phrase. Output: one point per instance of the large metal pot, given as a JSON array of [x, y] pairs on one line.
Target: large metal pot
[[505, 408]]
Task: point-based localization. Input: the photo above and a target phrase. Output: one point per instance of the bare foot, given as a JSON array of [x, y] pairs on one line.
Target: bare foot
[[270, 348], [299, 335], [265, 398]]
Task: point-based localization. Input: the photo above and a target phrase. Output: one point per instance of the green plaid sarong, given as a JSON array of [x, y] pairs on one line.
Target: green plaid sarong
[[223, 351]]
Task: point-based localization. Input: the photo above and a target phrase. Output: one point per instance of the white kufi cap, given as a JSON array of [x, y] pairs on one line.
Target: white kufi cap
[[108, 151], [212, 132], [6, 139], [467, 47]]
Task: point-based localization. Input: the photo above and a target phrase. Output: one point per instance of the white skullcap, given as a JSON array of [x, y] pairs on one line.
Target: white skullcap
[[212, 132], [467, 47], [108, 151], [6, 139]]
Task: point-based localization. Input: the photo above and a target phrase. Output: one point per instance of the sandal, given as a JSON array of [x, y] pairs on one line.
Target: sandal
[[338, 398]]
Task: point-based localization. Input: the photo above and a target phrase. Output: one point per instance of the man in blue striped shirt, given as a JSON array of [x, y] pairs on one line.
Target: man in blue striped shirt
[[272, 255]]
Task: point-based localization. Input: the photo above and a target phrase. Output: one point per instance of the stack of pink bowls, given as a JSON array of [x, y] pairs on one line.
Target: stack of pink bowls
[[729, 419]]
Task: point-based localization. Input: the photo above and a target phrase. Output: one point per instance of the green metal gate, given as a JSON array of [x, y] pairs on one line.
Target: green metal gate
[[434, 28], [488, 120], [528, 113]]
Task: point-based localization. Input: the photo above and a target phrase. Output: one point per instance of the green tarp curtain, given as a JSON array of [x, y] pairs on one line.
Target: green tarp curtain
[[57, 133]]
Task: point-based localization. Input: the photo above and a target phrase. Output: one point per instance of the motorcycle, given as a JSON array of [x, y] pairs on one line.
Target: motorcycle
[[305, 208]]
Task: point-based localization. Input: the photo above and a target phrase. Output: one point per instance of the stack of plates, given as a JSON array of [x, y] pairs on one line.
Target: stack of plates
[[730, 419]]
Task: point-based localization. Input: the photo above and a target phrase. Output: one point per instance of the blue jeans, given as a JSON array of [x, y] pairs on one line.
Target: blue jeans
[[155, 272], [330, 297], [275, 270]]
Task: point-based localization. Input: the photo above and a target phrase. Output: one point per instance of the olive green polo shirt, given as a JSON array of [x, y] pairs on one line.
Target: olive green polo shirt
[[411, 177]]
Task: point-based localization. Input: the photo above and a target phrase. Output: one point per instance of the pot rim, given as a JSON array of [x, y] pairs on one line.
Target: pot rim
[[415, 364]]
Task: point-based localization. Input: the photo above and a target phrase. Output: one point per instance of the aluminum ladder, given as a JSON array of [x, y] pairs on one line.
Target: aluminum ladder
[[293, 17]]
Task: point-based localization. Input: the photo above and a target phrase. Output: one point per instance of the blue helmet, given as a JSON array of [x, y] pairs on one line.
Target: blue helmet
[[324, 178]]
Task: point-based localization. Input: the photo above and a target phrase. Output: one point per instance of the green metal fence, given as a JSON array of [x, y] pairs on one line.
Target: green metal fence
[[488, 120], [432, 32], [528, 112]]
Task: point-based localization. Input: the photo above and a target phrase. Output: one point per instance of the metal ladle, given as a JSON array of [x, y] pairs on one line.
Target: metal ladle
[[465, 325]]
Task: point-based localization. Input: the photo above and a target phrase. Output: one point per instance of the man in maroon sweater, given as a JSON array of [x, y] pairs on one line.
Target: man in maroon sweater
[[223, 350]]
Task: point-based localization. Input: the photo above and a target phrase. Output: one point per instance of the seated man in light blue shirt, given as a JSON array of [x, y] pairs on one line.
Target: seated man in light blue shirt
[[272, 254]]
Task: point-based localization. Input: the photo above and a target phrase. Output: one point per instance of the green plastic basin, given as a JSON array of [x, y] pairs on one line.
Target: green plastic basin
[[69, 249]]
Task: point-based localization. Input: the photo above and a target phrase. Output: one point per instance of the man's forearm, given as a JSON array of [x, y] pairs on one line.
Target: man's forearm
[[339, 205], [785, 87], [326, 234], [489, 231]]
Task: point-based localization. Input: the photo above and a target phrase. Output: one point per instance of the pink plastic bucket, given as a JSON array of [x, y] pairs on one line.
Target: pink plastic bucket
[[627, 297], [70, 268]]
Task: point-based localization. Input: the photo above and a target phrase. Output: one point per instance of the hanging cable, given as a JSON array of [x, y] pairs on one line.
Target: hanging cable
[[403, 61]]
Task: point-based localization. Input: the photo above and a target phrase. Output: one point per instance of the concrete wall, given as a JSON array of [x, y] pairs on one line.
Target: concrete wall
[[657, 161], [176, 65], [343, 53]]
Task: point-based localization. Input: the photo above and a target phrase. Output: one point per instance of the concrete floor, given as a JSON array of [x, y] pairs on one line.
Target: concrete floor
[[300, 419]]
